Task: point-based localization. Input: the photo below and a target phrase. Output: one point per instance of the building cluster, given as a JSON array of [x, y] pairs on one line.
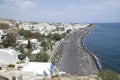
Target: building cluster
[[23, 71], [30, 70], [45, 28]]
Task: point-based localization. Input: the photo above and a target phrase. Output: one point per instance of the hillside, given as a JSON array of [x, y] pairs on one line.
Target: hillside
[[68, 77]]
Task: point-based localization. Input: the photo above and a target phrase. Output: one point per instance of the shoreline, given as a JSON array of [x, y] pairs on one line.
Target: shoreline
[[94, 57], [75, 53]]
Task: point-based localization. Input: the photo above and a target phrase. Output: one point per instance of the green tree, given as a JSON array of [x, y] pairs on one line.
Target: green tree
[[108, 75], [41, 57], [29, 46], [68, 31], [10, 40], [37, 36], [29, 35], [26, 33], [49, 44], [49, 36], [44, 45], [21, 32], [57, 37]]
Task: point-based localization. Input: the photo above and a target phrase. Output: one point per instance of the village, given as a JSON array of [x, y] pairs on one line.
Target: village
[[27, 48]]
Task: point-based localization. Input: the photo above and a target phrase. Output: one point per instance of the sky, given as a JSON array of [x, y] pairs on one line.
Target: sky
[[66, 11]]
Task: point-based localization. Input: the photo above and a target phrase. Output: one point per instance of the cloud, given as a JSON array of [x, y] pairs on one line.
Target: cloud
[[24, 4], [91, 10], [16, 4], [62, 10]]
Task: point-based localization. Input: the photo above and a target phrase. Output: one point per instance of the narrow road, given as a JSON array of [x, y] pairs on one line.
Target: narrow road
[[75, 59]]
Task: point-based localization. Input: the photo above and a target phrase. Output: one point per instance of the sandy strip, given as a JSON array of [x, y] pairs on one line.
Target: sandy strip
[[76, 59]]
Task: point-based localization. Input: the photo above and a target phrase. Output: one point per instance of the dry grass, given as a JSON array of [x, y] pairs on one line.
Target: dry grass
[[68, 77]]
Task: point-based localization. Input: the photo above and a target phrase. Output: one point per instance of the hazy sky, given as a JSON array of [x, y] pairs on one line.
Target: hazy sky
[[61, 10]]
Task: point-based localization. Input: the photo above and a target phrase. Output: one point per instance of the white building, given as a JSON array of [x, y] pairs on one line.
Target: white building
[[26, 26], [33, 41], [36, 51], [1, 35], [43, 69], [8, 56]]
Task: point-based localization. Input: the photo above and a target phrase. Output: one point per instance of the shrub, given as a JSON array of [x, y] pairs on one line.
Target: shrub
[[4, 26], [44, 45], [57, 37], [29, 35], [11, 66], [10, 40], [40, 57], [68, 31], [108, 75]]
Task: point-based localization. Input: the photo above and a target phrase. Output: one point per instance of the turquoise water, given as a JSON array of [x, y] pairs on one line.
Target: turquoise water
[[104, 42]]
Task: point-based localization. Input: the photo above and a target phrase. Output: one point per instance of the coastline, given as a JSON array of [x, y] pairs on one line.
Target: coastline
[[94, 57], [75, 58]]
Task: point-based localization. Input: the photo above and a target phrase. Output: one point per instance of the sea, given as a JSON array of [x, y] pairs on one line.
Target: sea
[[103, 41]]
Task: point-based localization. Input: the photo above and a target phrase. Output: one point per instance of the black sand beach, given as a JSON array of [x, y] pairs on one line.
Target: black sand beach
[[76, 59]]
